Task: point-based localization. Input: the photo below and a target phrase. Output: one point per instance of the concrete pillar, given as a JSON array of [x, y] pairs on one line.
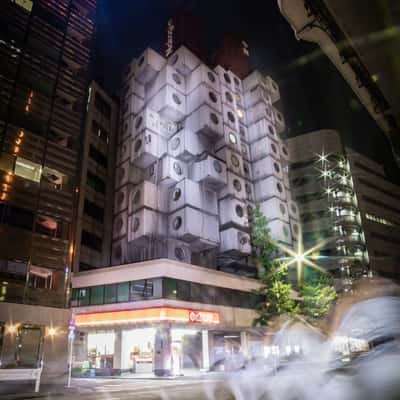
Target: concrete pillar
[[244, 345], [205, 350], [117, 362]]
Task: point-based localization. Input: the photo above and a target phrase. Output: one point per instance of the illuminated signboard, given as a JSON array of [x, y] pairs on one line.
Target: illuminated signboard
[[155, 314]]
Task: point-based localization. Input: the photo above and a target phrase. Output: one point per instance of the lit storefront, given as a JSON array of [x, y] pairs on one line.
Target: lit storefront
[[126, 322]]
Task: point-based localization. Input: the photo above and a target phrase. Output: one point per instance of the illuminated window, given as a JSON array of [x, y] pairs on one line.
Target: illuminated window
[[379, 220], [28, 169], [27, 4]]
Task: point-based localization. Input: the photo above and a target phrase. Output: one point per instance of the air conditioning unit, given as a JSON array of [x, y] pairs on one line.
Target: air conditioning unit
[[146, 120], [246, 152], [120, 225], [273, 89], [255, 95], [243, 133], [234, 187], [249, 189], [279, 120], [132, 86], [144, 224], [284, 151], [280, 231], [265, 167], [268, 188], [274, 208], [209, 171], [143, 195], [168, 128], [121, 198], [202, 75], [259, 111], [123, 151], [293, 210], [230, 140], [131, 105], [147, 65], [261, 129], [228, 97], [235, 241], [147, 148], [179, 251], [237, 82], [169, 103], [203, 95], [205, 121], [247, 170], [263, 148], [167, 76], [295, 229], [224, 77], [233, 160], [229, 117], [119, 253], [233, 212], [184, 61], [253, 80], [186, 224], [127, 173], [186, 145], [185, 193], [171, 170]]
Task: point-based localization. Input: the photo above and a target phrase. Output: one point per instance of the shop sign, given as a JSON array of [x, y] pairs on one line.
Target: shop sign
[[203, 317]]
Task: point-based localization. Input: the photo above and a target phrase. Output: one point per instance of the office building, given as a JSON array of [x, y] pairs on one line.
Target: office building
[[198, 149], [45, 51], [95, 213]]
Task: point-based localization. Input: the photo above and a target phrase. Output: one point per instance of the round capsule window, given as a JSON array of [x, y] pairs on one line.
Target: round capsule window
[[136, 224], [211, 77], [273, 147], [119, 224], [247, 188], [294, 208], [295, 228], [282, 209], [151, 170], [231, 117], [232, 138], [279, 116], [214, 119], [138, 145], [174, 59], [177, 79], [243, 239], [120, 198], [239, 211], [235, 161], [274, 86], [136, 197], [237, 185], [175, 143], [176, 99], [176, 195], [212, 97], [284, 150], [141, 61], [242, 131], [177, 223], [227, 78], [285, 231], [246, 168], [179, 253], [138, 122], [217, 166], [271, 130], [279, 187], [236, 80], [229, 97], [277, 167], [177, 168]]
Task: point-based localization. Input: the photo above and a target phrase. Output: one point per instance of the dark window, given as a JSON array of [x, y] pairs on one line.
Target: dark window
[[195, 292], [96, 183], [376, 187], [140, 290], [367, 169], [16, 216], [110, 294], [97, 295], [98, 156], [91, 240], [170, 288], [102, 106], [100, 132], [94, 211], [381, 204]]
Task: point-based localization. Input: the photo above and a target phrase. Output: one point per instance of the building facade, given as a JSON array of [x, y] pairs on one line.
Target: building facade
[[346, 204], [45, 51], [95, 213]]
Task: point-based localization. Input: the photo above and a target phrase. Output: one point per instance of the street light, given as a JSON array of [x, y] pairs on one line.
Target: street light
[[51, 331], [12, 329]]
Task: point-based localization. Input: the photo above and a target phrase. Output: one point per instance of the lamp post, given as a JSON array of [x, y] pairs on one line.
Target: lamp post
[[71, 336]]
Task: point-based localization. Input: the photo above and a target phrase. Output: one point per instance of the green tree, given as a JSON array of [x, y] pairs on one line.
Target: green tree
[[275, 288]]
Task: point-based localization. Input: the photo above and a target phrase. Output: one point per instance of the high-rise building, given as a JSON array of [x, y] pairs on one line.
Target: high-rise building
[[347, 205], [197, 149], [94, 221], [45, 51]]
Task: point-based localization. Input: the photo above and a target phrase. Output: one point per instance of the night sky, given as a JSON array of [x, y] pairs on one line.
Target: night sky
[[314, 95]]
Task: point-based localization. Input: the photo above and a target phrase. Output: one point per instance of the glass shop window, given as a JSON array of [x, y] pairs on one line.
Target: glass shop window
[[123, 291], [110, 294], [28, 346], [28, 169], [96, 295]]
